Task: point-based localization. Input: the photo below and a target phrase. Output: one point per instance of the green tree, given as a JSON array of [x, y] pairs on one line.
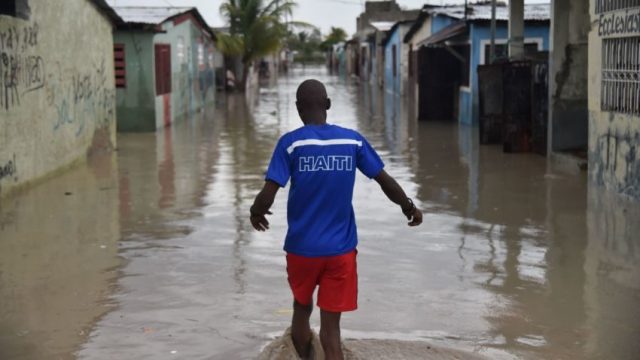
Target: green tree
[[256, 29], [306, 45], [336, 35]]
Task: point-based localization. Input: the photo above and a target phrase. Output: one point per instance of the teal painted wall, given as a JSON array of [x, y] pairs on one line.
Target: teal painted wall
[[192, 77], [190, 90], [136, 102]]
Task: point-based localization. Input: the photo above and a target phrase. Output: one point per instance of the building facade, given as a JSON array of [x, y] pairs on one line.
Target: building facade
[[396, 59], [614, 96], [57, 93], [167, 61], [449, 53]]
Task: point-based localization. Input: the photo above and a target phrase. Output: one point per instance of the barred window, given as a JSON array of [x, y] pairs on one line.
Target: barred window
[[614, 5], [621, 75], [120, 65]]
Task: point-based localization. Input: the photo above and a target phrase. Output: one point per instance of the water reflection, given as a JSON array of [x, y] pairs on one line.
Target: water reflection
[[612, 284], [58, 246]]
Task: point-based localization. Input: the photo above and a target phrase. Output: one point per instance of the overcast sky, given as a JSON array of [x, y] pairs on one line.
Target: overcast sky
[[322, 13]]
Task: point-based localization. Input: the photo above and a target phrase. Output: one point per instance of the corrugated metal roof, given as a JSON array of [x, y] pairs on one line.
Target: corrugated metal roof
[[108, 11], [447, 33], [382, 25], [532, 12], [148, 14]]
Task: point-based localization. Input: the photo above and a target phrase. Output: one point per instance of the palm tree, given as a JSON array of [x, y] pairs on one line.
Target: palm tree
[[336, 35], [256, 29]]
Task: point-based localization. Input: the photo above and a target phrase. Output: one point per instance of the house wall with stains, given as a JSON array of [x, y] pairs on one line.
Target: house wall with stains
[[135, 100], [57, 91], [614, 136], [192, 66], [192, 72], [569, 62]]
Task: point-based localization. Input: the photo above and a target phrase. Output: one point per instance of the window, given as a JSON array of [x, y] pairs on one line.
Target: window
[[8, 7], [394, 61], [614, 5], [620, 88], [201, 55], [180, 53], [163, 68], [120, 65], [16, 8]]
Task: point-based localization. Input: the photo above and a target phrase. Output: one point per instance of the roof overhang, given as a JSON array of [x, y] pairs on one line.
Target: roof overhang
[[198, 19], [448, 33], [151, 18], [108, 11]]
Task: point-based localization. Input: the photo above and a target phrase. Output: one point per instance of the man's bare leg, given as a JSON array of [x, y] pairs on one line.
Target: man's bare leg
[[300, 328], [330, 335]]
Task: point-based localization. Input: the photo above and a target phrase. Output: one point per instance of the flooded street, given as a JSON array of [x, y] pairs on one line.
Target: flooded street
[[148, 253]]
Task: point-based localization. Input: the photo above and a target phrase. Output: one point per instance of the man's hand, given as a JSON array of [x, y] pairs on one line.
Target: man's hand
[[260, 222], [415, 218], [395, 193], [261, 205]]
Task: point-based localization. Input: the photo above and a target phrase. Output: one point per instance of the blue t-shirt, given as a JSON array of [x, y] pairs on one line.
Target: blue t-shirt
[[321, 162]]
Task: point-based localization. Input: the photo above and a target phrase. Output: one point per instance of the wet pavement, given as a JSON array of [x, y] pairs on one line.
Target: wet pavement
[[148, 253]]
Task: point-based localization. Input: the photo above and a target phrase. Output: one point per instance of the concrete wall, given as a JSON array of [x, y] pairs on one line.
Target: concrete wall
[[391, 82], [192, 80], [568, 66], [135, 102], [614, 138], [413, 89], [422, 34], [480, 33], [398, 84], [440, 22], [57, 99]]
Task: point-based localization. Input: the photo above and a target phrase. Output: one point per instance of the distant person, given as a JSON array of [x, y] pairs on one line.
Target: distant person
[[231, 80], [321, 241]]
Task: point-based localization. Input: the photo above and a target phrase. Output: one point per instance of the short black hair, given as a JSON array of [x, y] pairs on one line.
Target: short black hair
[[311, 94]]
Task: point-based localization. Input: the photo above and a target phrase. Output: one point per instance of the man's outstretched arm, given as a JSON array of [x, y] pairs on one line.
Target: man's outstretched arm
[[395, 193], [261, 205]]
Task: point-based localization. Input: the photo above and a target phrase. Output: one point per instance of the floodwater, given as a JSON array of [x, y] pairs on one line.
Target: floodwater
[[148, 253]]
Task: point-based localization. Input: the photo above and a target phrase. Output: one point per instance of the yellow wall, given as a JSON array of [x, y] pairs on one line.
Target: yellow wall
[[57, 101]]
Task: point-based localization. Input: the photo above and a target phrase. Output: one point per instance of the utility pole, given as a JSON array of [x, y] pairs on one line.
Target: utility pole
[[492, 51], [465, 9]]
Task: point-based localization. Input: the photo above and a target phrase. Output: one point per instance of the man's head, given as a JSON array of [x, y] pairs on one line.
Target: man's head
[[312, 102]]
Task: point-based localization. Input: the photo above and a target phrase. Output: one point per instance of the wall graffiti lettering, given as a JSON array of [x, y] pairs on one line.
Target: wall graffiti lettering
[[621, 23], [20, 71], [19, 39], [19, 75], [8, 169], [80, 96]]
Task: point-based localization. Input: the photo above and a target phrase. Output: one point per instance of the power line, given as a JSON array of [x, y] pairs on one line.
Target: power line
[[347, 2]]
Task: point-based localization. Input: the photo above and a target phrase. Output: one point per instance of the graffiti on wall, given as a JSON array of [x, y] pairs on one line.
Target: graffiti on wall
[[621, 23], [9, 169], [80, 96], [21, 72], [77, 96]]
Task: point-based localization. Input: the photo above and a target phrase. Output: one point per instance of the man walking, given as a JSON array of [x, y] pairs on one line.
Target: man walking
[[321, 159]]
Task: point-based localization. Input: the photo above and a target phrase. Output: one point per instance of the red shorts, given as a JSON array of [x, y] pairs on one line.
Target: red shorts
[[337, 277]]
